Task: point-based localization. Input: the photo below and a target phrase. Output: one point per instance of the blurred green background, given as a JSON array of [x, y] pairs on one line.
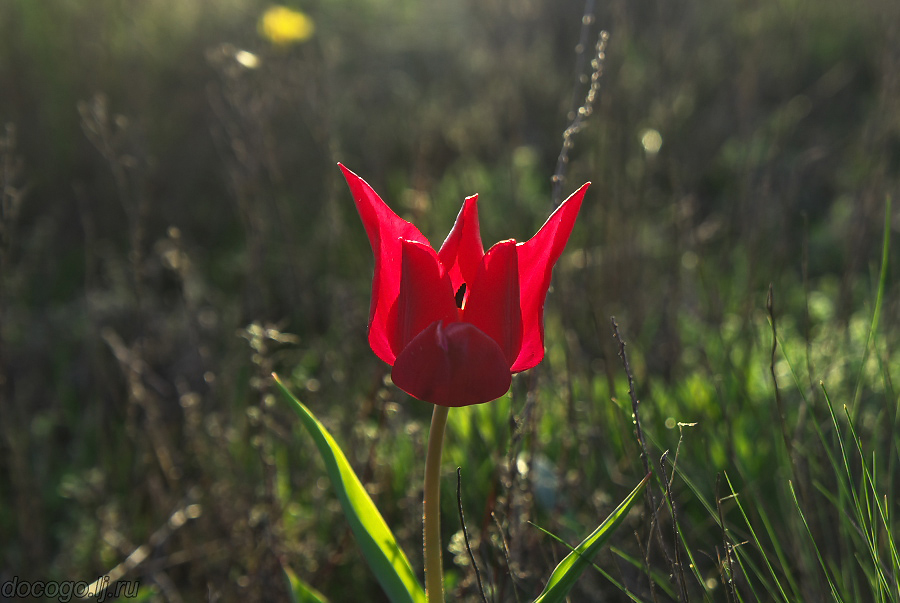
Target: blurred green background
[[174, 228]]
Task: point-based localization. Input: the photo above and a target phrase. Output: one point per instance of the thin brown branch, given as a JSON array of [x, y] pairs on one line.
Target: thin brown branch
[[462, 522]]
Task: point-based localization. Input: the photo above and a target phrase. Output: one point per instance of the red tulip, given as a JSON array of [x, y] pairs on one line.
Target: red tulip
[[457, 323]]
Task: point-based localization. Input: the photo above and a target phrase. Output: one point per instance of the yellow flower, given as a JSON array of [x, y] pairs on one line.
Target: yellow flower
[[283, 26]]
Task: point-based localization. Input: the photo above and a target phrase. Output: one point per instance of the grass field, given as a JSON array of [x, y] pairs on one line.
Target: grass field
[[173, 229]]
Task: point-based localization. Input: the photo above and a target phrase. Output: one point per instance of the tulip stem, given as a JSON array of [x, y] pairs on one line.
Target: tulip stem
[[434, 572]]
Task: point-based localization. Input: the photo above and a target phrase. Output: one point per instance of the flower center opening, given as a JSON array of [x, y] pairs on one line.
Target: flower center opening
[[460, 296]]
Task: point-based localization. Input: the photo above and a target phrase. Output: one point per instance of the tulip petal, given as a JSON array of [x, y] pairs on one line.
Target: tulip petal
[[537, 257], [493, 304], [385, 230], [452, 365], [425, 295], [462, 250]]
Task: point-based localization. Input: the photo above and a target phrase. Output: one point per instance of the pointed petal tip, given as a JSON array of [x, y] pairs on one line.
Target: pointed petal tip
[[582, 189], [574, 201], [350, 175]]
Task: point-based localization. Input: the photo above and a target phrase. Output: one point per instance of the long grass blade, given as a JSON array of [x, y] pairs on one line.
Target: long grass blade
[[879, 300], [569, 569], [834, 593], [375, 539], [757, 542], [300, 591]]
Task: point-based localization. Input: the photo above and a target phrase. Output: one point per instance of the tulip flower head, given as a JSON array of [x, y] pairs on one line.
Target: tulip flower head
[[455, 324]]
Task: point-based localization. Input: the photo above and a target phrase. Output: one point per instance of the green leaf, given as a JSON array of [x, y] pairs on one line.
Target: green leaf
[[300, 591], [569, 569], [387, 560]]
